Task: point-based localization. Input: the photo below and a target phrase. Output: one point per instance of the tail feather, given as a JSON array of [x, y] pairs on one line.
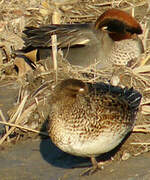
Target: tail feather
[[133, 98]]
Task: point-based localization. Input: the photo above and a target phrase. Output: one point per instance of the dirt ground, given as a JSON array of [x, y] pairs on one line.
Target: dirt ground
[[24, 97], [37, 160]]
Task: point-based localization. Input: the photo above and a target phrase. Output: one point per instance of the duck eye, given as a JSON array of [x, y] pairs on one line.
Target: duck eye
[[105, 28], [81, 90]]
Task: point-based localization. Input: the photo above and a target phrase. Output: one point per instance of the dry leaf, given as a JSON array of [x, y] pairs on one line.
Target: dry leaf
[[142, 69], [1, 57], [32, 55], [146, 109], [23, 67], [63, 2], [146, 102], [45, 9], [144, 60]]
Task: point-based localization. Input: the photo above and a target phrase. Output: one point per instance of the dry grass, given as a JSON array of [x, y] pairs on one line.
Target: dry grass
[[30, 111]]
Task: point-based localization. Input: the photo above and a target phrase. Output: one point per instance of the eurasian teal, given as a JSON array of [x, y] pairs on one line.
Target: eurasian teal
[[112, 39], [88, 119]]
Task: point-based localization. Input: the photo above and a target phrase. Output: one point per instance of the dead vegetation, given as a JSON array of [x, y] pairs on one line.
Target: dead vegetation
[[27, 116]]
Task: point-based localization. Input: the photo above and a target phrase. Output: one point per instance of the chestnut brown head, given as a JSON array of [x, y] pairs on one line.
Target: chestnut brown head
[[119, 24]]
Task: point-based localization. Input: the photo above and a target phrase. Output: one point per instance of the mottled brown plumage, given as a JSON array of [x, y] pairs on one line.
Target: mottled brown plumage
[[90, 119]]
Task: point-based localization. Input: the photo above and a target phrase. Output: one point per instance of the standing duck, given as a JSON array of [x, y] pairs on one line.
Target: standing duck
[[112, 39], [91, 119]]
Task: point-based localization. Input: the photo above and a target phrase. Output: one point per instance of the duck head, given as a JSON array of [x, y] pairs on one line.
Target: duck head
[[71, 88], [119, 24]]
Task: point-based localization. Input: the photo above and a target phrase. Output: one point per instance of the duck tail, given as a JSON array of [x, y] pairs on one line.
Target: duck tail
[[133, 98]]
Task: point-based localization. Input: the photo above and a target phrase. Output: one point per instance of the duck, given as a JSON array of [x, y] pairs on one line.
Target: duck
[[112, 39], [89, 119]]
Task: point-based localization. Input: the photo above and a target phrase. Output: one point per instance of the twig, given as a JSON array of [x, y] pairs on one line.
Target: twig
[[2, 2], [54, 53], [137, 5], [146, 34], [135, 129], [19, 111], [2, 116], [55, 20], [29, 110], [103, 4], [24, 128], [144, 61], [142, 126], [142, 143], [4, 120]]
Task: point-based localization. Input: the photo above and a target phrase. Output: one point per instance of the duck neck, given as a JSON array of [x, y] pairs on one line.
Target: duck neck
[[64, 99], [106, 42], [119, 36]]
